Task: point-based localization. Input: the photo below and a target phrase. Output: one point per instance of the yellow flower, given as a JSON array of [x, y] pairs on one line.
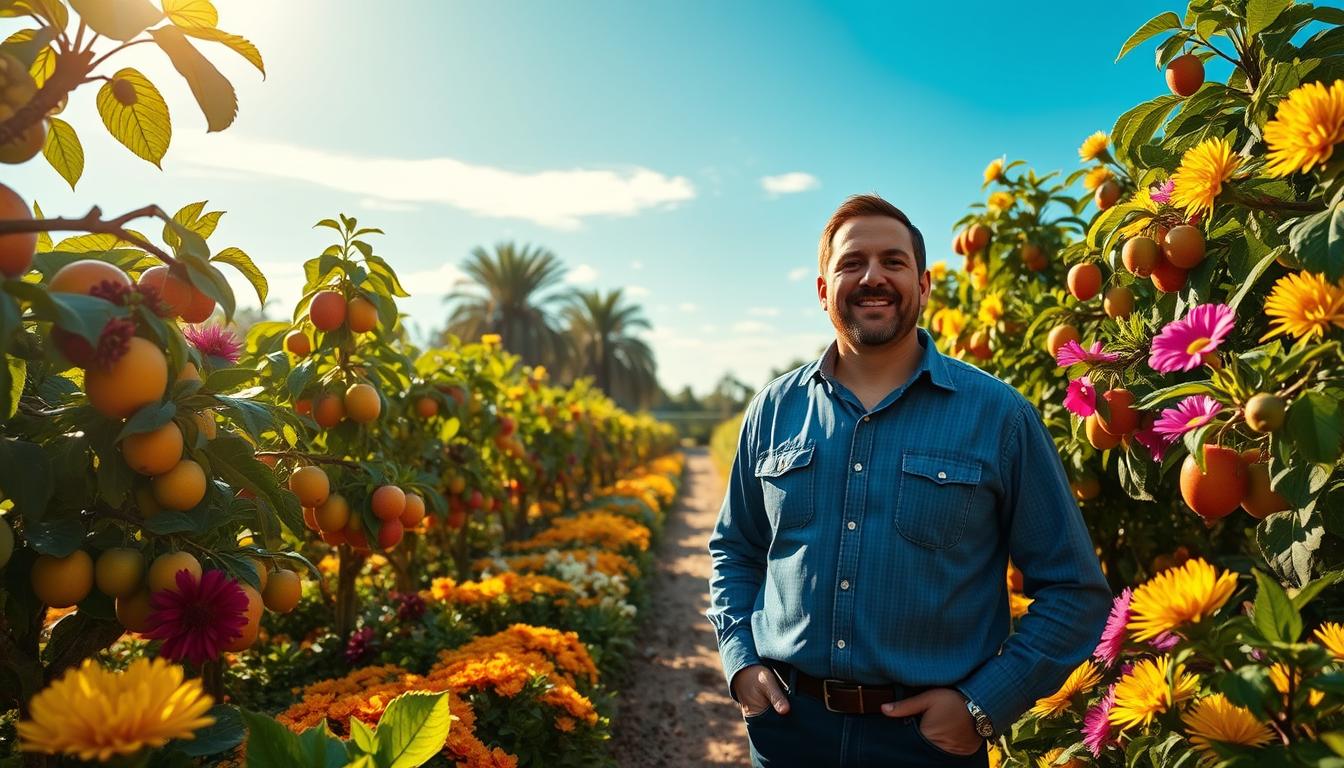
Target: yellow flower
[[994, 171], [491, 339], [96, 714], [1304, 304], [1048, 760], [949, 322], [1144, 693], [1094, 147], [1186, 594], [1304, 132], [1081, 680], [995, 756], [1001, 201], [1215, 719], [980, 275], [1200, 177], [1331, 635], [938, 270], [1018, 604], [1096, 177], [991, 309], [1278, 675]]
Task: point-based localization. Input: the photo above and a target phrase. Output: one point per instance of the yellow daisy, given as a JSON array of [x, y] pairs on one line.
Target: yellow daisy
[[1144, 693], [979, 275], [1096, 177], [1304, 304], [1048, 760], [1331, 635], [949, 322], [1094, 147], [1305, 130], [1001, 201], [1081, 680], [1201, 174], [1215, 719], [1186, 594], [991, 309], [994, 171], [938, 270], [1278, 675], [96, 714]]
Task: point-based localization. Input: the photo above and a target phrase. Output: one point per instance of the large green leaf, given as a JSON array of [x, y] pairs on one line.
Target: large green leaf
[[412, 729], [214, 93], [1275, 616], [1138, 125], [117, 19], [271, 744], [63, 150], [1316, 426], [238, 259], [225, 734], [1260, 14], [13, 375], [234, 461], [236, 43], [1156, 25], [143, 126], [25, 478], [76, 313], [1288, 541], [191, 13]]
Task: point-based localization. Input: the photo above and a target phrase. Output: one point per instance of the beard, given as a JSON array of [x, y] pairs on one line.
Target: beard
[[874, 332]]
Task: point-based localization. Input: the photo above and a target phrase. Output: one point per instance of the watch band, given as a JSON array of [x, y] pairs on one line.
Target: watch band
[[983, 725]]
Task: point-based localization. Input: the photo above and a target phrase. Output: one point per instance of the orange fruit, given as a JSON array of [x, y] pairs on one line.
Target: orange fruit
[[310, 519], [26, 146], [81, 276], [263, 572], [1261, 499], [1185, 74], [457, 484], [1084, 281], [119, 572], [304, 407], [139, 378], [1033, 257], [1220, 488], [1265, 412], [133, 612], [977, 237], [978, 346], [355, 535], [414, 511], [311, 485], [163, 571], [153, 452], [1141, 255], [199, 309], [174, 291], [329, 410], [390, 534], [959, 243], [1097, 434], [426, 407], [332, 514], [16, 250], [1184, 246], [361, 315], [181, 487], [333, 538], [1107, 195], [1167, 277], [1124, 417], [362, 404], [60, 582], [253, 626], [282, 591], [388, 502], [1059, 336], [1086, 487], [297, 343], [1119, 302], [327, 310]]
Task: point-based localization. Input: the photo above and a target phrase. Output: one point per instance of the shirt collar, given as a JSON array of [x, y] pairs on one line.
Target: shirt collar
[[933, 363]]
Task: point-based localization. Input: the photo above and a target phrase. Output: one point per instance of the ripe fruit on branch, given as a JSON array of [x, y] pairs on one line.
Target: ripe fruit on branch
[[1033, 257], [138, 378], [388, 502], [163, 571], [253, 625], [199, 309], [959, 243], [175, 293], [1124, 417], [1097, 434], [1107, 195], [1119, 302], [414, 511], [1086, 487], [133, 612], [1261, 499], [1167, 277], [1265, 412], [327, 310], [426, 407], [390, 534], [297, 343], [1084, 280], [977, 237], [1220, 488], [60, 582], [329, 410], [16, 250], [82, 276], [1141, 255], [332, 514], [361, 315], [154, 452], [282, 592], [1185, 74], [1059, 336], [181, 487], [362, 403], [1183, 245], [979, 345], [311, 485], [119, 572]]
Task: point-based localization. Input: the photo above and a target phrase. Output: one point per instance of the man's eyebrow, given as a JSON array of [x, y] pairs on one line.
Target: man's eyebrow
[[897, 251]]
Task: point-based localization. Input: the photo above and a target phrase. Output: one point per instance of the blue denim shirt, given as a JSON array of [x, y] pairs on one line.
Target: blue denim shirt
[[872, 545]]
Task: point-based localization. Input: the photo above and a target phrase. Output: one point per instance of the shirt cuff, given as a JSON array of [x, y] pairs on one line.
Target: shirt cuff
[[737, 651], [997, 693]]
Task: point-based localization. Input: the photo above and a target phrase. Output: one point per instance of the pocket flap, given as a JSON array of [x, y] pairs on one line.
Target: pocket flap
[[941, 469], [779, 461]]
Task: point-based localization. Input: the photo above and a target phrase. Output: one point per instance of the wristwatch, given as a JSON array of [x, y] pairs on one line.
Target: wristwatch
[[983, 726]]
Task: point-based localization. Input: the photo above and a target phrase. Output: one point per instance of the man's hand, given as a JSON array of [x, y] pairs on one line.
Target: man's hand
[[943, 719], [757, 688]]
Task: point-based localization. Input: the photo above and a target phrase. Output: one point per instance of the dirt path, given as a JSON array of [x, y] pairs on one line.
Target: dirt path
[[676, 710]]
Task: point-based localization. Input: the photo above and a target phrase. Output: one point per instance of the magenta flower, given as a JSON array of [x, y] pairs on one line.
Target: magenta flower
[[1161, 193], [1073, 352], [1081, 397], [214, 341], [1165, 641], [1113, 636], [1097, 724], [1182, 344], [200, 618], [1156, 442], [1191, 413]]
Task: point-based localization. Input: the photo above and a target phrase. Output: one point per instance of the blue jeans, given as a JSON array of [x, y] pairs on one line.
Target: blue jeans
[[811, 736]]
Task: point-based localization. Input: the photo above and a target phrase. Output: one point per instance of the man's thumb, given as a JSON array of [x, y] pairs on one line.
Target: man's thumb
[[906, 707], [778, 699]]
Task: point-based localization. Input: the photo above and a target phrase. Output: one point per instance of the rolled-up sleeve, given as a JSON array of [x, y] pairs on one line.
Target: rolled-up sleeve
[[1049, 543], [738, 548]]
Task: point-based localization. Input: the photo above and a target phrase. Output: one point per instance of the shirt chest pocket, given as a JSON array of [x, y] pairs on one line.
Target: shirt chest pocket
[[935, 498], [787, 478]]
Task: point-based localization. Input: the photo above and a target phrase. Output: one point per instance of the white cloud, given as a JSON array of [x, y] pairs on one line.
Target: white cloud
[[750, 326], [374, 204], [789, 183], [798, 274], [583, 274], [556, 198], [636, 265], [687, 306], [432, 282], [699, 359], [636, 291], [763, 311]]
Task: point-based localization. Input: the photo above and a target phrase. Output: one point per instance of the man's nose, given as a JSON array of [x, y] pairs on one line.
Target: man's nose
[[872, 275]]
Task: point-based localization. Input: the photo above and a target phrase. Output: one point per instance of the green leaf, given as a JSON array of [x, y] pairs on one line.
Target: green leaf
[[1174, 391], [1275, 616], [25, 478], [413, 729], [32, 47], [55, 535], [225, 734], [234, 461], [148, 419], [172, 521], [270, 744], [235, 257], [1311, 590], [1138, 125], [1317, 242], [1288, 541], [214, 93], [117, 19], [1249, 281], [144, 126], [1316, 426], [15, 372], [76, 313], [191, 13], [362, 736], [1159, 23], [1260, 14], [63, 150], [226, 379], [236, 43]]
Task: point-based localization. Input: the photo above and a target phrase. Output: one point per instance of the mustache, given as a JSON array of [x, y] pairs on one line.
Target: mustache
[[858, 296]]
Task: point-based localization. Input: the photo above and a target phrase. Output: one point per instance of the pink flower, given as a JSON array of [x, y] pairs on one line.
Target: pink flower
[[1156, 442], [1073, 352], [197, 620], [214, 341], [1113, 636], [1182, 344], [1191, 413], [1165, 641], [1097, 724], [1081, 397], [1161, 193]]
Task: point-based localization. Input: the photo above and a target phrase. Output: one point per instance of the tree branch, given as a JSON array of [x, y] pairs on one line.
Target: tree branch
[[71, 69], [94, 222]]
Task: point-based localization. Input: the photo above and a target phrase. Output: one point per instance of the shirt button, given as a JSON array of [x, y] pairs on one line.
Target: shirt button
[[839, 643], [858, 467], [852, 525], [942, 475], [844, 584], [867, 418]]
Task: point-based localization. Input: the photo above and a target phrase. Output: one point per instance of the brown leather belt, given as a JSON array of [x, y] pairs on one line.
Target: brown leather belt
[[844, 696]]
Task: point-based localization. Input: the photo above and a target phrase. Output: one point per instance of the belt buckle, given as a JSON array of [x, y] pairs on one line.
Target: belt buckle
[[826, 694]]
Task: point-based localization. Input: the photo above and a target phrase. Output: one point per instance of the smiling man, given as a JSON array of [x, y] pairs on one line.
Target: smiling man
[[858, 590]]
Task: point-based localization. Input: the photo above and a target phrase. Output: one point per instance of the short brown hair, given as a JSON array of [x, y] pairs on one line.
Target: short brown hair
[[866, 205]]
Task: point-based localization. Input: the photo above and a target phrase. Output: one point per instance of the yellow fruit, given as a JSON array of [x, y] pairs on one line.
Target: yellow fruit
[[133, 612], [1265, 412], [17, 250], [362, 404], [81, 276], [153, 452], [250, 630], [60, 582], [361, 315], [163, 571], [311, 485], [139, 378], [414, 511], [1119, 302], [119, 572], [333, 514], [181, 487], [1059, 336], [283, 591]]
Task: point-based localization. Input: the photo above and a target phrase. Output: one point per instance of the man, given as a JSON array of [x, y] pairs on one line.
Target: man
[[858, 589]]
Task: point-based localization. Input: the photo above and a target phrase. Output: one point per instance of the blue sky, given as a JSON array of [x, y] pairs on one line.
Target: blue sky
[[639, 141]]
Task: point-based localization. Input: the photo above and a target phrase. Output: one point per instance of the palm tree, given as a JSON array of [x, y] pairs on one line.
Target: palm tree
[[507, 295], [600, 328]]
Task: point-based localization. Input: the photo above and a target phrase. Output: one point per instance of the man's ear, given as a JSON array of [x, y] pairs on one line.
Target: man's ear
[[821, 291], [925, 288]]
